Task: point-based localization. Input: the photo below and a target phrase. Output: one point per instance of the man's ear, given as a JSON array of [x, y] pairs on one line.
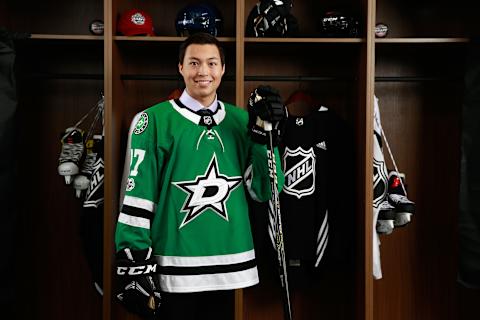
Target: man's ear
[[223, 69], [180, 68]]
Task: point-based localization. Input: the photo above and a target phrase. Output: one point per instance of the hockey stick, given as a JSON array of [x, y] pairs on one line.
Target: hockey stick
[[282, 267]]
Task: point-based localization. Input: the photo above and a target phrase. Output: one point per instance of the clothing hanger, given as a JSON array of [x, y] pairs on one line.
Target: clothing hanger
[[301, 102], [300, 95]]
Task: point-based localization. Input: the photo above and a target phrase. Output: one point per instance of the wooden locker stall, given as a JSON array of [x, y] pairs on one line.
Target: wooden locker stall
[[59, 75], [144, 71], [332, 71], [419, 72]]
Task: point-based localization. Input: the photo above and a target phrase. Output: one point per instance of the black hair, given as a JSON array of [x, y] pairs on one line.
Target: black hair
[[200, 38]]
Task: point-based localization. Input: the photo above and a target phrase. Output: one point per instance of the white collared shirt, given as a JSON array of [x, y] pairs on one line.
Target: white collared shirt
[[194, 105]]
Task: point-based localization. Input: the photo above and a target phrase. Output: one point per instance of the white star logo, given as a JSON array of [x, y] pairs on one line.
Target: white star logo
[[208, 191]]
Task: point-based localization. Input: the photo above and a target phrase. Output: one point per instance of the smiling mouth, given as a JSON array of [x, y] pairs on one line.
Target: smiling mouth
[[203, 81]]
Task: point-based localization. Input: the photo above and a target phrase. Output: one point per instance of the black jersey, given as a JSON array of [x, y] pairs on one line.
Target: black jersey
[[304, 152]]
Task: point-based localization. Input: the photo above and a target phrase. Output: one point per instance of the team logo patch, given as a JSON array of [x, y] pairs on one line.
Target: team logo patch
[[208, 191], [299, 122], [94, 194], [138, 19], [142, 123], [299, 167], [130, 184], [380, 174]]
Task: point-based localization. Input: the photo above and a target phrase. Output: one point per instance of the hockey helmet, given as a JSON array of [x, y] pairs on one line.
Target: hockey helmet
[[135, 22], [199, 18], [271, 18], [337, 24]]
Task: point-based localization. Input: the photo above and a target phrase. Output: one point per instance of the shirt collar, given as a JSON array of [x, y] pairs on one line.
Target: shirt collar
[[194, 105]]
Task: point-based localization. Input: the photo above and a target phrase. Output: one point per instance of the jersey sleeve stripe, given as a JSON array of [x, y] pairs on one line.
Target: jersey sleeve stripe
[[140, 203], [324, 225], [323, 240], [134, 221], [136, 212], [321, 252], [248, 178]]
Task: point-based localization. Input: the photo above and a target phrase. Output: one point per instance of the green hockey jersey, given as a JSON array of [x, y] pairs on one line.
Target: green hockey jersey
[[185, 195]]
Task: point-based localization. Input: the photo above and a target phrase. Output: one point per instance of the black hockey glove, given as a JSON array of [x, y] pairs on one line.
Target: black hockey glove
[[139, 287], [265, 104]]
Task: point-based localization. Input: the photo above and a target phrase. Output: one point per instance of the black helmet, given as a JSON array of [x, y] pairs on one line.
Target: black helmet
[[271, 18], [199, 18]]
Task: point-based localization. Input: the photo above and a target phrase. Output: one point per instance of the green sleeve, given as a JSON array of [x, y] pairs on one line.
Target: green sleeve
[[141, 190], [259, 185]]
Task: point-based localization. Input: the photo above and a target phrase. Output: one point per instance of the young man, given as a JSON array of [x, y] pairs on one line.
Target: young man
[[183, 228]]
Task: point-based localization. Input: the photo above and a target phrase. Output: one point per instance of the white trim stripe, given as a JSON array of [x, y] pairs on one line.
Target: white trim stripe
[[322, 240], [321, 253], [190, 115], [140, 203], [195, 118], [324, 224], [220, 114], [227, 259], [209, 282], [248, 178], [133, 221]]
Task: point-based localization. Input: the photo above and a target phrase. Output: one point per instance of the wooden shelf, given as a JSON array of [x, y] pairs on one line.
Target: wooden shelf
[[164, 39], [422, 40], [305, 40], [250, 39], [65, 36]]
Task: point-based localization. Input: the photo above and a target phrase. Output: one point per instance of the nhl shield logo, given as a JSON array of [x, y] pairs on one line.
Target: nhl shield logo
[[207, 120], [380, 178], [380, 174], [299, 167]]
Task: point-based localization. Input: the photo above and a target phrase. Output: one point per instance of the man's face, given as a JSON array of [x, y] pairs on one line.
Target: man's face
[[202, 71]]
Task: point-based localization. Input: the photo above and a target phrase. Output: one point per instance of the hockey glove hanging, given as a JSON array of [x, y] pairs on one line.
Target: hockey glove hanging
[[139, 287], [265, 104]]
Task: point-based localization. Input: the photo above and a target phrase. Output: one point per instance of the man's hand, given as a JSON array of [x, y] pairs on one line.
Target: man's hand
[[139, 287], [265, 105]]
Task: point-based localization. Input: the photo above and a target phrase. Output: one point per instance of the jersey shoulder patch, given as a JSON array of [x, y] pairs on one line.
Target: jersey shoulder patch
[[141, 124]]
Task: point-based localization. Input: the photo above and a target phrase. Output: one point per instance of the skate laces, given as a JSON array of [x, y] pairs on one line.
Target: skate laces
[[396, 210], [91, 156], [393, 159], [73, 146]]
